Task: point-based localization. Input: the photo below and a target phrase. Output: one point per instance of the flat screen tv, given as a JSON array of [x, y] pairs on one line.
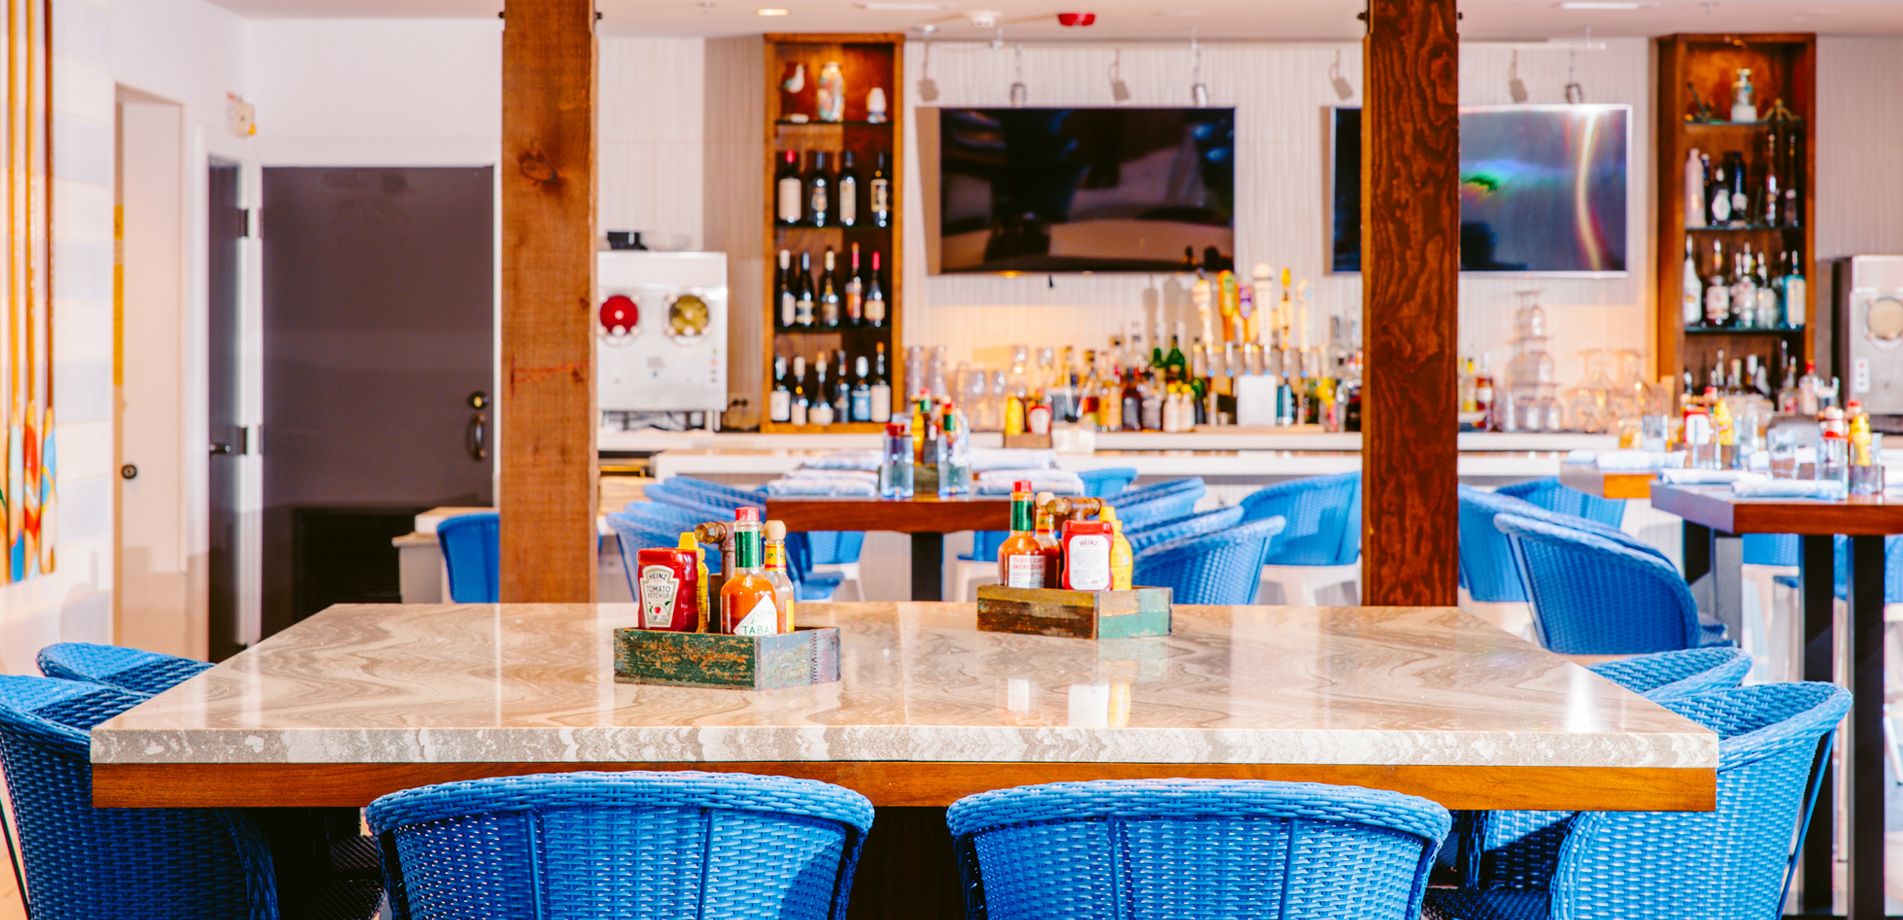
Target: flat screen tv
[[1542, 189], [1078, 189]]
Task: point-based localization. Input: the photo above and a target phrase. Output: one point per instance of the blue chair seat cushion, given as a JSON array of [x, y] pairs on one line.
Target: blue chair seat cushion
[[1474, 904], [818, 586]]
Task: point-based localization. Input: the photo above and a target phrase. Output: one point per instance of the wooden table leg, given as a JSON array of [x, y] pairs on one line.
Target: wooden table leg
[[1863, 754], [928, 567], [1817, 594]]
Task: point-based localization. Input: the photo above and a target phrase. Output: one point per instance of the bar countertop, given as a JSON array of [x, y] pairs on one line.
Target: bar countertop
[[1251, 685]]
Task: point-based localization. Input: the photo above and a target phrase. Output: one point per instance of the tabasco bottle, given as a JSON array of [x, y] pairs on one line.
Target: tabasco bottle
[[1021, 558], [1046, 537], [748, 600]]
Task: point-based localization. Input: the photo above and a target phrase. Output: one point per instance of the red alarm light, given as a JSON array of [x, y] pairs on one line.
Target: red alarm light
[[619, 315], [1076, 19]]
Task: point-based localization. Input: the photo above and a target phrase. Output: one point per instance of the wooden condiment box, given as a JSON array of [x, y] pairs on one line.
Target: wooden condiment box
[[803, 657], [1074, 614]]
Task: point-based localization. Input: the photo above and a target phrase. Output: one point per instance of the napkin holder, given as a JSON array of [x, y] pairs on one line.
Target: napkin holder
[[801, 658], [1129, 614]]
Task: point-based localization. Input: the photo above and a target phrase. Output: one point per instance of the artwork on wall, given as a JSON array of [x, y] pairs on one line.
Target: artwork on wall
[[27, 496]]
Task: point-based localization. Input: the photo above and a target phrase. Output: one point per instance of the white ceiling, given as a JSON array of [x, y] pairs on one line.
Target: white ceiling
[[1132, 20]]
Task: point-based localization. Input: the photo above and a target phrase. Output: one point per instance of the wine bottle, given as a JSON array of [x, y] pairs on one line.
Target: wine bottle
[[801, 410], [803, 302], [1773, 199], [881, 188], [848, 191], [821, 412], [842, 389], [788, 191], [780, 401], [1796, 306], [880, 388], [787, 296], [1794, 180], [1767, 317], [1693, 291], [1717, 294], [1744, 291], [829, 294], [861, 391], [855, 291], [1740, 197], [875, 295], [819, 201]]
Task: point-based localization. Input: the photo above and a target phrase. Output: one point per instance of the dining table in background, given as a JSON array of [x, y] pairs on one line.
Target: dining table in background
[[1623, 485], [927, 518], [359, 701], [1715, 521]]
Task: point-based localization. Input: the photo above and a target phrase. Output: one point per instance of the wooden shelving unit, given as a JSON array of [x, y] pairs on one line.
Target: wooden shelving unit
[[1783, 69], [867, 60]]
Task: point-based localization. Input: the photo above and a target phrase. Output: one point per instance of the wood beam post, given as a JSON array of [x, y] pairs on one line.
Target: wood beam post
[[1410, 219], [547, 410]]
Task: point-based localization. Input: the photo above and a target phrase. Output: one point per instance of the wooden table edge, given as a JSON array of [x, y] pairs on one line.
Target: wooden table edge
[[1618, 485], [918, 783]]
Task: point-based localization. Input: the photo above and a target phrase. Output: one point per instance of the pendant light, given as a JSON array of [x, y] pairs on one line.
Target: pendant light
[[1198, 93]]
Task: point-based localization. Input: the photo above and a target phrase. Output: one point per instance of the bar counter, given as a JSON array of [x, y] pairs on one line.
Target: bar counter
[[358, 701]]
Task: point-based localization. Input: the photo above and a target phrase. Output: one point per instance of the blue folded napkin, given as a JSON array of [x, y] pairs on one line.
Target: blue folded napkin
[[1826, 489]]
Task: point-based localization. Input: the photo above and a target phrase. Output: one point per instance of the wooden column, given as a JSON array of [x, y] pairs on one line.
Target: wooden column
[[1410, 218], [547, 403]]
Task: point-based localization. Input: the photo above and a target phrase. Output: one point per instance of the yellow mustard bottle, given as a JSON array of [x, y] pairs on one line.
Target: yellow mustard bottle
[[691, 544], [1122, 559]]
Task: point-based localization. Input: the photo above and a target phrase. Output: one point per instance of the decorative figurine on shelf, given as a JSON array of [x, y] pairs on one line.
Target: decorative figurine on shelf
[[793, 84], [875, 105], [832, 93], [1701, 113], [1744, 108], [1779, 112]]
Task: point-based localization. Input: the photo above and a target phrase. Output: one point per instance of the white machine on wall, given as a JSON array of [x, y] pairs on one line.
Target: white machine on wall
[[1869, 335], [661, 335]]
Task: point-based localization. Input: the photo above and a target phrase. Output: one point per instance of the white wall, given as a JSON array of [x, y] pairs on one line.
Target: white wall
[[1860, 129]]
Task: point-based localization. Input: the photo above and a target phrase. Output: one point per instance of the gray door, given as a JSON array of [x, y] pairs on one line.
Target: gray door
[[228, 440], [378, 336]]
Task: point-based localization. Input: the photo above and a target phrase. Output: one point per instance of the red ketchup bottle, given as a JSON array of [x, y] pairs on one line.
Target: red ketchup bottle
[[670, 587]]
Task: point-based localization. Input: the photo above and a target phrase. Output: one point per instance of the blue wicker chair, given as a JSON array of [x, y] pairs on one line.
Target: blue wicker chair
[[1214, 568], [1108, 481], [633, 845], [1321, 546], [1487, 569], [83, 862], [130, 669], [1729, 864], [1194, 848], [1512, 846], [703, 505], [1592, 596], [719, 493], [1188, 525], [1131, 496], [472, 551], [1157, 507], [1549, 494]]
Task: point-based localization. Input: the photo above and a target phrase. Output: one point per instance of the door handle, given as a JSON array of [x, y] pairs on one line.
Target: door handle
[[220, 448], [476, 436]]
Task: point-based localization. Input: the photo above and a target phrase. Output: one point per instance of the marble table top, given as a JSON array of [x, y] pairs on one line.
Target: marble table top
[[419, 684]]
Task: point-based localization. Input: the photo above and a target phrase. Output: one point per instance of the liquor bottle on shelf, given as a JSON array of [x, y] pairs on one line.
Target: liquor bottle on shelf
[[1740, 198], [1718, 196], [881, 389], [1744, 290], [842, 389], [786, 296], [1692, 296], [1175, 366], [829, 294], [1768, 307], [1484, 395], [861, 392], [1794, 178], [875, 295], [855, 291], [1773, 199], [821, 412], [1796, 304], [803, 301], [819, 198], [1695, 180], [1787, 397], [848, 191], [881, 193], [789, 191], [1717, 293], [801, 410], [780, 401]]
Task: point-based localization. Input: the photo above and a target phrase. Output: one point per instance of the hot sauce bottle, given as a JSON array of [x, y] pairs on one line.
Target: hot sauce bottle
[[1022, 559], [776, 573], [1053, 553], [747, 600]]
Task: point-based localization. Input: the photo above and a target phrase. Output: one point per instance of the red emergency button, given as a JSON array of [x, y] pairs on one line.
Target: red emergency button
[[619, 315]]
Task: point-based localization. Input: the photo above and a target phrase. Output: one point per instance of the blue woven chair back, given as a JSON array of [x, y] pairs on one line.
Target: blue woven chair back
[[1157, 508], [1157, 489], [1188, 525], [83, 862], [1549, 494], [129, 669], [725, 494], [634, 534], [1592, 596], [1213, 568], [669, 517], [1107, 482], [1487, 568], [1770, 549], [630, 845], [1194, 848], [837, 547], [985, 543], [1892, 568], [472, 551], [704, 506], [1662, 675], [1323, 515]]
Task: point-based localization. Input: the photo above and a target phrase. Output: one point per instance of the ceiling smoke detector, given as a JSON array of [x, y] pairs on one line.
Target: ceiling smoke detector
[[983, 19]]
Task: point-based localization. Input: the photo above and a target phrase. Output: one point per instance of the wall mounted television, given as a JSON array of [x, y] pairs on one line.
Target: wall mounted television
[[1542, 189], [1078, 189]]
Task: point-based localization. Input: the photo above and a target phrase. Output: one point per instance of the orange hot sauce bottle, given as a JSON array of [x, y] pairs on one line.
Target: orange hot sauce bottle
[[1021, 558], [1045, 536], [747, 601]]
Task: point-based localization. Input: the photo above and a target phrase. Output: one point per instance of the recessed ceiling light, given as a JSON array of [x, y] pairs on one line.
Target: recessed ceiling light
[[883, 5], [1606, 5], [771, 12]]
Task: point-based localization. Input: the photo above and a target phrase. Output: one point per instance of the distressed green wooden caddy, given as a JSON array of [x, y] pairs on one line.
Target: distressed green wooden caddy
[[1127, 614], [803, 657]]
